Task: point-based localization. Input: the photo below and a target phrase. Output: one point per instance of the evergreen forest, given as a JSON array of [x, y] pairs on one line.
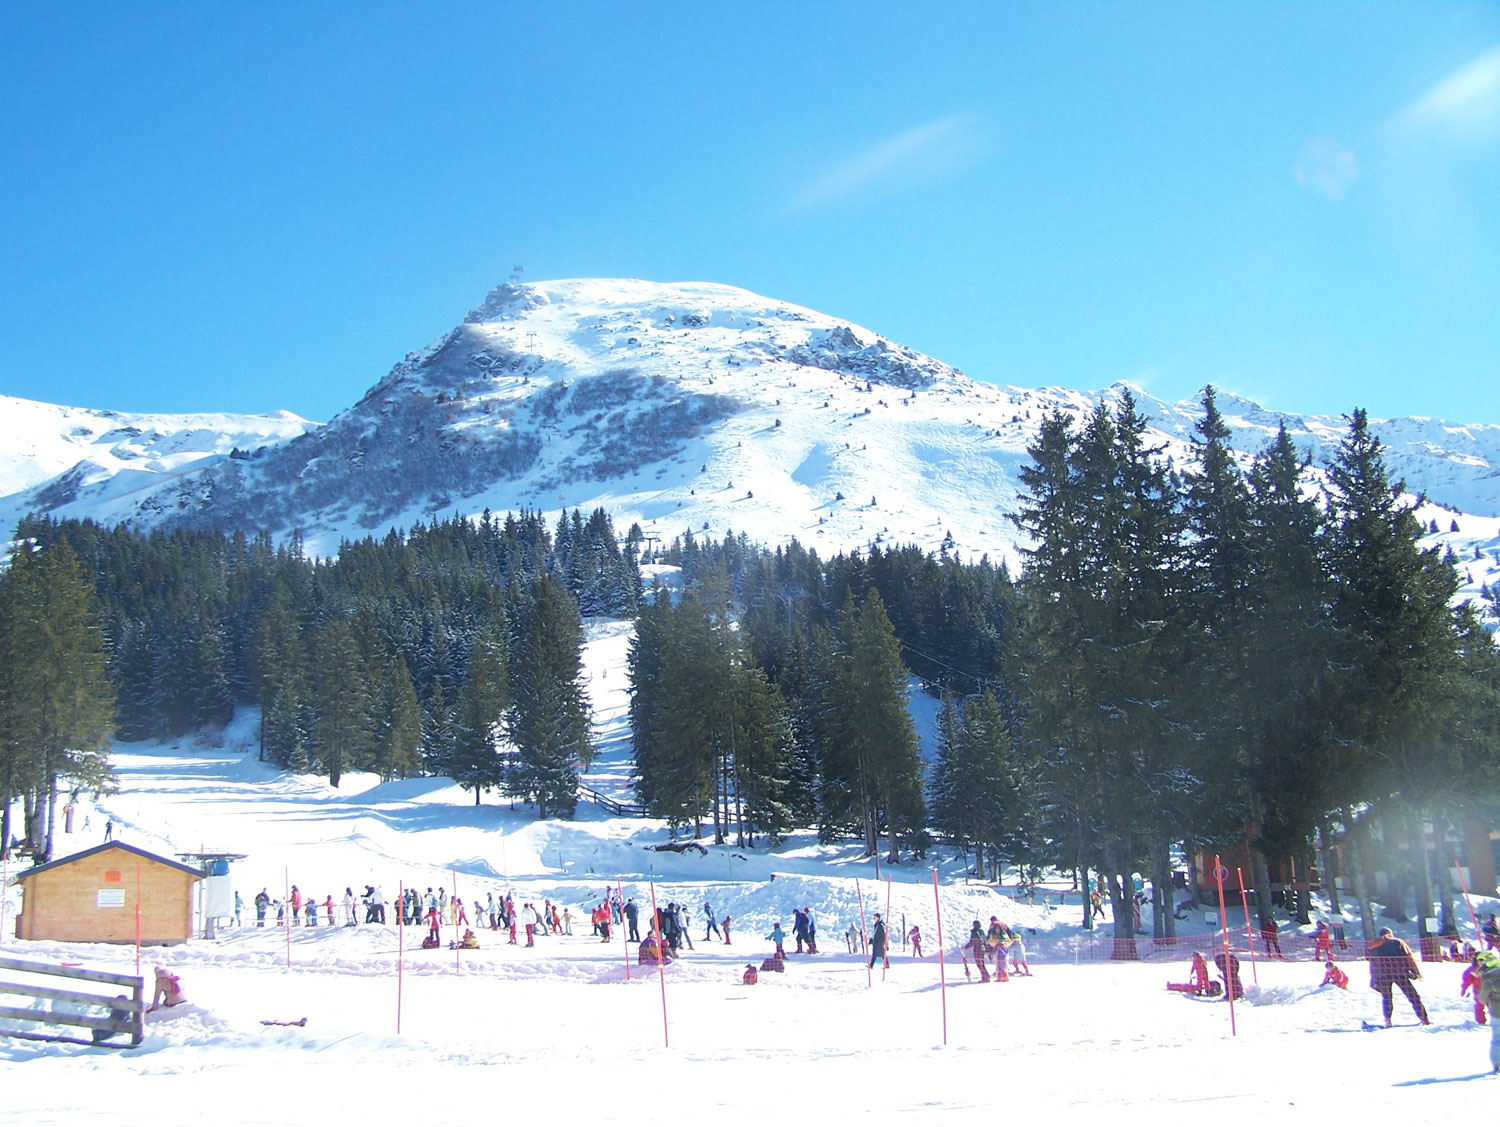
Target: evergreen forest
[[1212, 655]]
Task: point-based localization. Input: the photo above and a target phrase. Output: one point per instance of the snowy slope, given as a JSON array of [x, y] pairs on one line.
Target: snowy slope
[[564, 1029], [52, 456]]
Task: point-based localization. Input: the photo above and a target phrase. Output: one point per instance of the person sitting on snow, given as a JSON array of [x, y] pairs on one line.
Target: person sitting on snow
[[1332, 976], [168, 990]]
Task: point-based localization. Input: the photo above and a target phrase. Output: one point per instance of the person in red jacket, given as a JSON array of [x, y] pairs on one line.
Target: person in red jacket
[[1198, 980], [1322, 942], [1470, 981], [1332, 976]]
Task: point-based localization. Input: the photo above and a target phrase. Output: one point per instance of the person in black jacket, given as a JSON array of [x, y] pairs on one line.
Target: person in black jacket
[[877, 943], [1391, 964]]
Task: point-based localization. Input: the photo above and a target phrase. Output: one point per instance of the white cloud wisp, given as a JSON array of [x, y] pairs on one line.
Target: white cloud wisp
[[926, 154]]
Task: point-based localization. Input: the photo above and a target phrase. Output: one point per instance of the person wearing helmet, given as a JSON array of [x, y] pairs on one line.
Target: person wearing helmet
[[1488, 962], [1391, 964]]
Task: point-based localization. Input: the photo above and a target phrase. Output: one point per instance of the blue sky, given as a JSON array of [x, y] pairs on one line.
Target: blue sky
[[249, 207]]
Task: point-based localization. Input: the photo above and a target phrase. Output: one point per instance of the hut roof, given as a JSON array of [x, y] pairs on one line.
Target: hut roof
[[145, 854]]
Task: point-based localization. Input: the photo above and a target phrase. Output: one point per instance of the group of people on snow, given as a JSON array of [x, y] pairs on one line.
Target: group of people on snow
[[1000, 942]]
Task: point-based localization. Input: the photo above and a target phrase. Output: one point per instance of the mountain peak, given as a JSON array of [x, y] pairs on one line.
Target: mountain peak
[[675, 406]]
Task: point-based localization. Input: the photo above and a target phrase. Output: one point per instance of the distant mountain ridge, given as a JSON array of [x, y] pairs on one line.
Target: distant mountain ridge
[[677, 406]]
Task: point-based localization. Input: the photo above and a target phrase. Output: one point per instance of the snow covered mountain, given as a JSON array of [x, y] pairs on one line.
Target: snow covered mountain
[[75, 461], [678, 406]]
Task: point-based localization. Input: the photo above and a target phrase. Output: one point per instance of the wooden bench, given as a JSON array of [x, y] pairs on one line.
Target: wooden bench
[[122, 1014]]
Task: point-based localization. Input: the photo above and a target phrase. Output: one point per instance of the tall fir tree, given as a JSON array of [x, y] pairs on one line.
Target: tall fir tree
[[56, 696], [549, 720]]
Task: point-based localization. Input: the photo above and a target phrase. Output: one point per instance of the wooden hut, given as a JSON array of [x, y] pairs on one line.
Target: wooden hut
[[91, 897]]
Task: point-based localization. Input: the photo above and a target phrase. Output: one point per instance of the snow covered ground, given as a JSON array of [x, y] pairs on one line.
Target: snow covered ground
[[561, 1029]]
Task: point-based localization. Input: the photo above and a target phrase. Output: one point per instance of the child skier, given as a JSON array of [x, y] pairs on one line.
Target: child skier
[[778, 937], [1322, 942], [1470, 981], [1332, 976]]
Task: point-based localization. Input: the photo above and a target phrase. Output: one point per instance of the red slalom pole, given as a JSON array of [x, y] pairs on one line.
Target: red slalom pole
[[863, 942], [1229, 975], [624, 935], [937, 908], [400, 949], [453, 911], [1249, 939], [286, 909], [661, 967]]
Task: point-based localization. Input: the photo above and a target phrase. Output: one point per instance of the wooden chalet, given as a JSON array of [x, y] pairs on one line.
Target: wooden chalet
[[92, 897]]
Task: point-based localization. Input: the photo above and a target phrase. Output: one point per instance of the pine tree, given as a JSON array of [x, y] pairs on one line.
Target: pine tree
[[483, 699], [56, 698], [549, 714], [872, 769], [342, 720], [1395, 639], [397, 735]]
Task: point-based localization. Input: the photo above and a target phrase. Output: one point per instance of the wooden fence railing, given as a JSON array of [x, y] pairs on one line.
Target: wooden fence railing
[[618, 809], [121, 1014]]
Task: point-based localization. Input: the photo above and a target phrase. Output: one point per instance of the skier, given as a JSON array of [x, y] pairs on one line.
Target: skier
[[328, 908], [799, 929], [1491, 932], [851, 938], [1333, 976], [980, 951], [1322, 942], [632, 915], [296, 904], [877, 943], [350, 918], [311, 908], [713, 923], [1270, 936], [1018, 963], [1198, 980], [1473, 975], [262, 902], [238, 907], [812, 931], [778, 937], [1489, 994], [724, 923], [914, 937], [999, 940], [1229, 967], [1391, 964]]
